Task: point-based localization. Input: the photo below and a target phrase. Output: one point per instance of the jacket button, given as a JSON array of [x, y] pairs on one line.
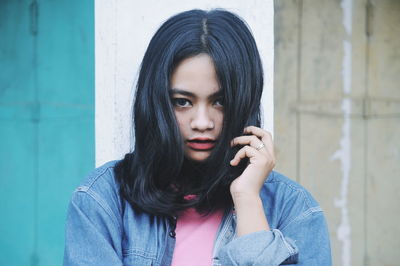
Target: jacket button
[[172, 234]]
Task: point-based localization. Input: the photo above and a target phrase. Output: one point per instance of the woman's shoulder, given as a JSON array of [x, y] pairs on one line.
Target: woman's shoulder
[[287, 202], [278, 178], [101, 177], [284, 189], [99, 188], [97, 201]]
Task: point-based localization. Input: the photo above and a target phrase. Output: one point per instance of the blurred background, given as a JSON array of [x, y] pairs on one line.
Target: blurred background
[[336, 120]]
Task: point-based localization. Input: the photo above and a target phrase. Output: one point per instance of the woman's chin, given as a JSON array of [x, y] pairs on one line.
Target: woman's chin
[[197, 156]]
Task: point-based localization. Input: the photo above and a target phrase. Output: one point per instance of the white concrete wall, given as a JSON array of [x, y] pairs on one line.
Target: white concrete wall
[[123, 29]]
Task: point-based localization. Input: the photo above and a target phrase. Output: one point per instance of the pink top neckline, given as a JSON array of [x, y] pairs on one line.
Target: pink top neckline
[[195, 237]]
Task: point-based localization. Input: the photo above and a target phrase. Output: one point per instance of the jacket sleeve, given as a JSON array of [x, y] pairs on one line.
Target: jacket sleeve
[[92, 232], [303, 242]]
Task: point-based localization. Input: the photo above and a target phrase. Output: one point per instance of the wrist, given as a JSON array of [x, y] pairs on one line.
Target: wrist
[[246, 198], [250, 214]]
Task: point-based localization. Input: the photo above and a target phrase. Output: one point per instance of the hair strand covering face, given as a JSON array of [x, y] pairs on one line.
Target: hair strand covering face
[[155, 176]]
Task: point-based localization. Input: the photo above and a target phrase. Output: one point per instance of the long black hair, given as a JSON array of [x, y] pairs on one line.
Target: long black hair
[[155, 176]]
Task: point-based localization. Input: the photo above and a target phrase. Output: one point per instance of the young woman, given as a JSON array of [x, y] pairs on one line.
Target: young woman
[[199, 186]]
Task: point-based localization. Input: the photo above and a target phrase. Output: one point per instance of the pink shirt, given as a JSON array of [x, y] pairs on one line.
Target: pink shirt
[[195, 236]]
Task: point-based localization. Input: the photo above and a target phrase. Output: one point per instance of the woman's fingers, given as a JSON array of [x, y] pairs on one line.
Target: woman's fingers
[[259, 132], [259, 148], [259, 139], [264, 135], [246, 151], [247, 140]]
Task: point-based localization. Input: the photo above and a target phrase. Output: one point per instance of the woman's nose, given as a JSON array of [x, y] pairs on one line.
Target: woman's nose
[[202, 120]]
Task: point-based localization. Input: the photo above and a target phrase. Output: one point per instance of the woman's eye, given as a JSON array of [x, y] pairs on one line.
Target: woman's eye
[[219, 102], [181, 102]]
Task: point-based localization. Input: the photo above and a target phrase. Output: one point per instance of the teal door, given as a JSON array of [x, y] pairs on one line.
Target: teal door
[[46, 122]]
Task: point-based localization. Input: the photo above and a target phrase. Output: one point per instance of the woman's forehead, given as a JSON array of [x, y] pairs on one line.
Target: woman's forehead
[[196, 76]]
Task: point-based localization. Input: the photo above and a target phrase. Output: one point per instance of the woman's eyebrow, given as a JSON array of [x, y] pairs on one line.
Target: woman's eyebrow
[[183, 92], [190, 94], [216, 94]]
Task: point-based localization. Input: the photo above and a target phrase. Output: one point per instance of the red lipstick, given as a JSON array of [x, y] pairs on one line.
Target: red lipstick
[[201, 144]]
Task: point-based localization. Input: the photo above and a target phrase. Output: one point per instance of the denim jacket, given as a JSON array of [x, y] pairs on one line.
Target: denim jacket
[[102, 229]]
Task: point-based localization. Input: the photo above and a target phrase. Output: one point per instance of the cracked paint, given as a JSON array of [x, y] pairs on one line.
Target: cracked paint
[[344, 152]]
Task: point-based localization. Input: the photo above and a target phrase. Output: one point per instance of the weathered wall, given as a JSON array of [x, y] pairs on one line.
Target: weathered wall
[[337, 112]]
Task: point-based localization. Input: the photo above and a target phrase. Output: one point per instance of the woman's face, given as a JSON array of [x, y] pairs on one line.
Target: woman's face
[[198, 105]]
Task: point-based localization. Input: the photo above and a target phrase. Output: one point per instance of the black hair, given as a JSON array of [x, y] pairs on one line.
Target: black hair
[[155, 176]]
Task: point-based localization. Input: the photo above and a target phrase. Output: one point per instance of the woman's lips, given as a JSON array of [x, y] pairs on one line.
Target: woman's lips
[[201, 145]]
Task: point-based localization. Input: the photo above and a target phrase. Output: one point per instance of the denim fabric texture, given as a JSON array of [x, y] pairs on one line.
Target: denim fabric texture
[[102, 229]]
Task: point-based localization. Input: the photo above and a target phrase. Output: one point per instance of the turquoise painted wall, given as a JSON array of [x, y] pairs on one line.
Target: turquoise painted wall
[[46, 122]]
